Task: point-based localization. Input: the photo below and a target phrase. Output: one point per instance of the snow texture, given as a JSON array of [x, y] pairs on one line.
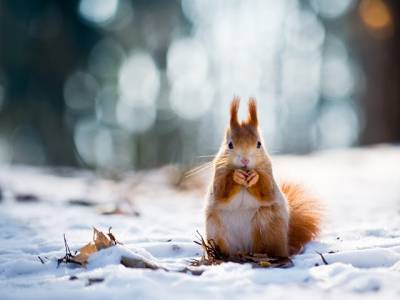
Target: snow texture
[[360, 239]]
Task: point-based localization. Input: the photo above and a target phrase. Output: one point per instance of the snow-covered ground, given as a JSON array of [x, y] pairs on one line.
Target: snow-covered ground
[[360, 240]]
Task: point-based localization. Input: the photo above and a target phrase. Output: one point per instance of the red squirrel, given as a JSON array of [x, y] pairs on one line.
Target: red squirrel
[[246, 210]]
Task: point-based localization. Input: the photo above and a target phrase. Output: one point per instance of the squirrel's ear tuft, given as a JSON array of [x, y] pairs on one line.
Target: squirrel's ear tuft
[[234, 112], [252, 116]]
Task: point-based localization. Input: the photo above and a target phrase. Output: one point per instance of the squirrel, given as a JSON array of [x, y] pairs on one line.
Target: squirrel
[[246, 210]]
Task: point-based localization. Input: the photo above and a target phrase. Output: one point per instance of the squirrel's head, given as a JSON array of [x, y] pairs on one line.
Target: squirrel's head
[[243, 146]]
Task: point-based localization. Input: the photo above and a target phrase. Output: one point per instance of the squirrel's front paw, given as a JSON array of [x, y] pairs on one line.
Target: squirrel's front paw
[[252, 178], [240, 177]]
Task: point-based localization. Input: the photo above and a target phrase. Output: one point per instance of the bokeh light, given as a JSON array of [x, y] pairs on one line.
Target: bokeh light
[[332, 9], [187, 58], [279, 52], [377, 16], [106, 105], [337, 77], [101, 146], [145, 75], [136, 118], [98, 11], [84, 136], [190, 99], [139, 80], [338, 125], [123, 16], [106, 58], [303, 31], [187, 70]]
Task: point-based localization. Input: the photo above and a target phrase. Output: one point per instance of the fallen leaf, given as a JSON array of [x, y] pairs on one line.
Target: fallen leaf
[[101, 241], [84, 253]]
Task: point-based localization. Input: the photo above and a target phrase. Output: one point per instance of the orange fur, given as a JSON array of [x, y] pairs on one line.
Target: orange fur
[[213, 218], [234, 111], [269, 232], [252, 116], [264, 218], [263, 190], [224, 186], [305, 216]]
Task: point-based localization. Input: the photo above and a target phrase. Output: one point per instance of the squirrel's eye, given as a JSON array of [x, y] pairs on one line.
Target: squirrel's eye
[[230, 145], [258, 144]]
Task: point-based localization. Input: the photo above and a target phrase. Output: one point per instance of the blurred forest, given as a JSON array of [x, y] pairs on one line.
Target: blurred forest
[[137, 84]]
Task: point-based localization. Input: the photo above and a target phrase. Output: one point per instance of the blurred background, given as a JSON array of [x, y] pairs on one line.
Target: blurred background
[[132, 84]]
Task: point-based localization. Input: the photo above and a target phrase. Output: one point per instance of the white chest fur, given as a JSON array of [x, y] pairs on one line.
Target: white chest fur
[[234, 221], [236, 218]]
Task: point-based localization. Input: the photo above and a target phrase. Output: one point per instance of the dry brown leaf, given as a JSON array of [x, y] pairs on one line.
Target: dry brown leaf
[[84, 253], [101, 240], [88, 249]]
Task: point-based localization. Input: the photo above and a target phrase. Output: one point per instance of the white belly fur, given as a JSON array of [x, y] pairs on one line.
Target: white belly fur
[[236, 217]]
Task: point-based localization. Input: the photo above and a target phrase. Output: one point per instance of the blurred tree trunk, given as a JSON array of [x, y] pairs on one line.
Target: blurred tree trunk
[[380, 99]]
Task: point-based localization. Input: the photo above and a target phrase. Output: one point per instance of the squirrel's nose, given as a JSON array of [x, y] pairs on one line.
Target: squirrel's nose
[[245, 161]]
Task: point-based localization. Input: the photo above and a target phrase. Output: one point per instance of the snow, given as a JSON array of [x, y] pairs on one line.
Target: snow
[[360, 239]]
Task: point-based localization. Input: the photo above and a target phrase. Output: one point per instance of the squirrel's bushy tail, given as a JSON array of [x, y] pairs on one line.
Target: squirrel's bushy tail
[[305, 216]]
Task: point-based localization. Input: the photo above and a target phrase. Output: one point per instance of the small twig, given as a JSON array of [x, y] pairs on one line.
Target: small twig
[[68, 257], [212, 253], [41, 260], [91, 281], [322, 257], [67, 250], [213, 256], [112, 237]]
